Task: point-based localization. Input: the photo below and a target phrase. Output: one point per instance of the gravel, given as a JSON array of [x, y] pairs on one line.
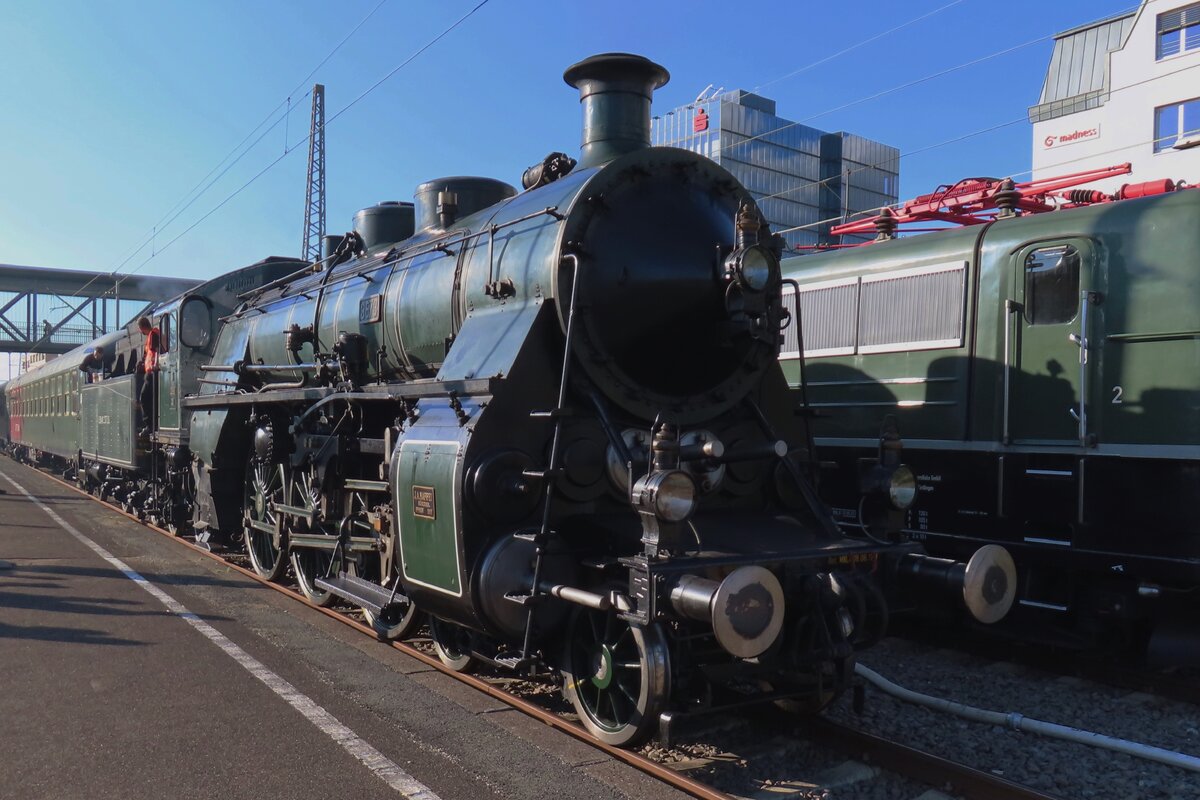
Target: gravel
[[1063, 768], [735, 755]]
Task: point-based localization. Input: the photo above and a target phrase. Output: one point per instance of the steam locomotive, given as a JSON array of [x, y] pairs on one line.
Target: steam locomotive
[[552, 422], [1042, 360]]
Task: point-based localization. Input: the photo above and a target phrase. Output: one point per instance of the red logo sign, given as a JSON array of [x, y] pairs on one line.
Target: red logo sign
[[1072, 137], [700, 121]]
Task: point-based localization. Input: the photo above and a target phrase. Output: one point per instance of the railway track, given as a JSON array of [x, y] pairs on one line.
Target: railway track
[[1179, 685], [869, 757]]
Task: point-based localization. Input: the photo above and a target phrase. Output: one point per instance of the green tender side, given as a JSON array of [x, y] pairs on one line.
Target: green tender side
[[426, 496], [107, 411]]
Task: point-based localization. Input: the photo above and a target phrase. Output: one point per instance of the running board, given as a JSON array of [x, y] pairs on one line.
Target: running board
[[371, 596]]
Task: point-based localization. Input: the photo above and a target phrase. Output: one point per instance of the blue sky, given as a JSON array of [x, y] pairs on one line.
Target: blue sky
[[112, 112]]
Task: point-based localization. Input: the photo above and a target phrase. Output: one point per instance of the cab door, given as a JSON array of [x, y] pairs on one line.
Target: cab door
[[1051, 313], [168, 374]]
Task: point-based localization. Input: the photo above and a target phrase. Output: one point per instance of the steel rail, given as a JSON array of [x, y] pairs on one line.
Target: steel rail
[[651, 768], [1182, 686], [922, 766], [900, 759]]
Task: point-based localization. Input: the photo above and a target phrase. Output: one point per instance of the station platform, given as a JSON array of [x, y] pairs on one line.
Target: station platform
[[226, 689]]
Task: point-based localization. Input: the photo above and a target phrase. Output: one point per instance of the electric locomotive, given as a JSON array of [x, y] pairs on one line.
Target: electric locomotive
[[1045, 370], [554, 421]]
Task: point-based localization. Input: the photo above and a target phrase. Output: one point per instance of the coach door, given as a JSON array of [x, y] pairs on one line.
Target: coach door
[[1050, 314]]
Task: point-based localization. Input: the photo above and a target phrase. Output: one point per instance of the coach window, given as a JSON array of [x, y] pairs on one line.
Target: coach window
[[1051, 285]]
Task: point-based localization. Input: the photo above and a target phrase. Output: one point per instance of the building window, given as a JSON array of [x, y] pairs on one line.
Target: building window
[[1178, 31], [1175, 122]]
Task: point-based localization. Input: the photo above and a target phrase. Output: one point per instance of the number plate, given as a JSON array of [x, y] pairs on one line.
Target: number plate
[[424, 502]]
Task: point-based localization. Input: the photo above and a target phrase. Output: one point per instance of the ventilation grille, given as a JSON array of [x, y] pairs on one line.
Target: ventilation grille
[[914, 310], [829, 313], [911, 309]]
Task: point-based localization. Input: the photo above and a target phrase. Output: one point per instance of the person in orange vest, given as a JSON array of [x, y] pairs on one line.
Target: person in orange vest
[[148, 369]]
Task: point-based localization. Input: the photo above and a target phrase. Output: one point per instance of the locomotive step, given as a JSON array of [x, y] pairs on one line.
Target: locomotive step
[[511, 659], [372, 597], [532, 536], [554, 413]]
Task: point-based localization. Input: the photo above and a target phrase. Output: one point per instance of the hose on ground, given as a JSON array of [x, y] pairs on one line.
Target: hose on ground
[[1020, 722]]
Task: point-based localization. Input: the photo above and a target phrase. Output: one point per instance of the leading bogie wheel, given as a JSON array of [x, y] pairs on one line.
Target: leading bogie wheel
[[617, 676], [266, 485], [452, 644]]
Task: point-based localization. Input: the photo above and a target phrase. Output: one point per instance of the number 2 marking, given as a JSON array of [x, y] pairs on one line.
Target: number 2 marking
[[1117, 392]]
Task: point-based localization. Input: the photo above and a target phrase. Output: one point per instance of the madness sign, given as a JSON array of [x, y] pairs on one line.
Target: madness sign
[[1080, 135], [424, 502]]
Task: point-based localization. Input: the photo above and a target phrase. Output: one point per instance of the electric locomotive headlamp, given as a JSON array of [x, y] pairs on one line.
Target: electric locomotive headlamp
[[753, 267], [898, 484], [671, 495], [902, 487]]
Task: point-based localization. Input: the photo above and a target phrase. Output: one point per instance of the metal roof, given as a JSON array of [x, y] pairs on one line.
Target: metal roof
[[1077, 78], [82, 283]]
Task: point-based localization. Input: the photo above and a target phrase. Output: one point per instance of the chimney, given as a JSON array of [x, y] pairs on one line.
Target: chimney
[[615, 90]]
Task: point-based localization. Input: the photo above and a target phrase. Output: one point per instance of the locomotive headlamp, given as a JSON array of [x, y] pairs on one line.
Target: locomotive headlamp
[[753, 267], [897, 484], [902, 488], [671, 495]]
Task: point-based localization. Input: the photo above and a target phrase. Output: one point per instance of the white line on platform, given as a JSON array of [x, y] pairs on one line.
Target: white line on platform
[[383, 767]]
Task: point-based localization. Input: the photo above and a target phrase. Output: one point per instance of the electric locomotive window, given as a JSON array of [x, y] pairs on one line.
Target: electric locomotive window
[[1051, 285]]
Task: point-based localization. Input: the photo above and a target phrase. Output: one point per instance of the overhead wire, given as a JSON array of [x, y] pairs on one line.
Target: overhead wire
[[197, 191], [292, 148], [288, 149], [955, 140], [192, 195], [857, 45], [1029, 171], [883, 93]]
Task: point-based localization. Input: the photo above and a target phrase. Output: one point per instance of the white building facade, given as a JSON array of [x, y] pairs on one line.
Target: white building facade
[[1123, 89]]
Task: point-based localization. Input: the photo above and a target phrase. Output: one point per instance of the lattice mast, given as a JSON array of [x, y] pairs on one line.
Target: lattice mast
[[314, 196]]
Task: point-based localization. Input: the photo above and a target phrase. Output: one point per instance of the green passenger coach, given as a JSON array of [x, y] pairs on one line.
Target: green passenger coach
[[1044, 369]]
